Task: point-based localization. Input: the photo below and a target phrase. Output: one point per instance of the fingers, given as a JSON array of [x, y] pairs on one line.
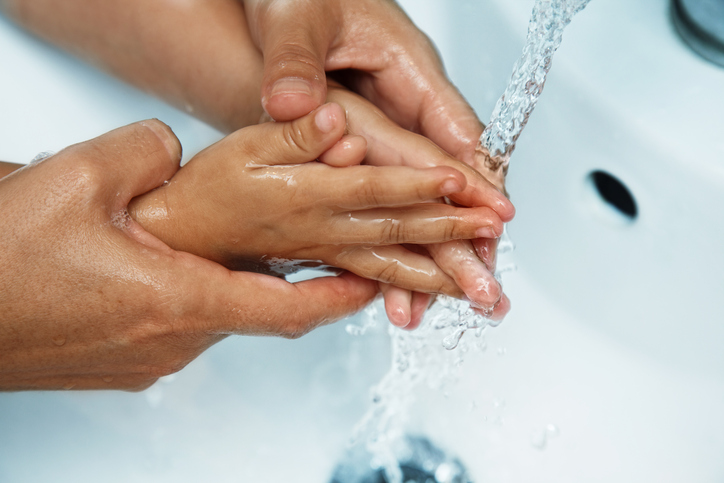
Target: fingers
[[255, 304], [295, 142], [458, 259], [294, 39], [398, 304], [135, 159], [405, 308], [420, 303], [448, 120], [349, 151], [391, 145], [418, 224], [498, 313], [398, 266], [362, 187], [487, 250]]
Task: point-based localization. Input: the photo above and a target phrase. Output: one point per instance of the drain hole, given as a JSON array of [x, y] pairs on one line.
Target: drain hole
[[615, 194]]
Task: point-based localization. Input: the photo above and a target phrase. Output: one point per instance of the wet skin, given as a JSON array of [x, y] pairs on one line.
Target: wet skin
[[90, 300], [275, 202], [393, 65]]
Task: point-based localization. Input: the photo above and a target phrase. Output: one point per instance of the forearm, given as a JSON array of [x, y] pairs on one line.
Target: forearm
[[196, 54]]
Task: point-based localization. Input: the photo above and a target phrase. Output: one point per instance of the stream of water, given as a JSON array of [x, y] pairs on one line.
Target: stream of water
[[426, 355]]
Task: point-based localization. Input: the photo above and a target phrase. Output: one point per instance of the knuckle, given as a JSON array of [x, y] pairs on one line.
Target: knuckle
[[388, 273], [294, 58], [294, 139], [298, 329], [393, 231], [369, 192]]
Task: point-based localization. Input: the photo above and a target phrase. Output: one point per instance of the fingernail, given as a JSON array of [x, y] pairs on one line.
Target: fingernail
[[450, 186], [325, 119], [166, 135], [486, 232], [486, 289], [399, 317], [291, 85]]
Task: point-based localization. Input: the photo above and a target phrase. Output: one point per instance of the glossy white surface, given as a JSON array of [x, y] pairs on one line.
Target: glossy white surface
[[616, 331]]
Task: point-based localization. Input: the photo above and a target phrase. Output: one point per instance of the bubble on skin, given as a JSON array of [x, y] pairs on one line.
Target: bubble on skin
[[121, 219], [42, 156], [59, 340]]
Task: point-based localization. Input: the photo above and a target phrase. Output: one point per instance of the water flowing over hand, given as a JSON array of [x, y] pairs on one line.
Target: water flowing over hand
[[274, 203]]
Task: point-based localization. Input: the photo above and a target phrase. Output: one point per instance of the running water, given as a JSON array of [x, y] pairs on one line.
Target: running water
[[417, 356], [513, 109]]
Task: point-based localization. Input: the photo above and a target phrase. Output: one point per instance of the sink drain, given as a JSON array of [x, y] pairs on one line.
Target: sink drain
[[420, 461]]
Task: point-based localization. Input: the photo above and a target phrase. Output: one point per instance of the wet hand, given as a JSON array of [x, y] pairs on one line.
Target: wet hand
[[90, 300], [469, 262], [258, 198], [377, 52]]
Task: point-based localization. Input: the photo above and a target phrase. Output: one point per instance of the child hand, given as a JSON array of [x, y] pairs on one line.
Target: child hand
[[258, 195], [471, 266]]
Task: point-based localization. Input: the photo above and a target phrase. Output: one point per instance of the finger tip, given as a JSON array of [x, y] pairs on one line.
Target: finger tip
[[399, 317], [288, 106], [166, 135]]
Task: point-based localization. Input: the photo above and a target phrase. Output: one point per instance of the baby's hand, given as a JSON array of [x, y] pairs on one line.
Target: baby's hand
[[258, 196]]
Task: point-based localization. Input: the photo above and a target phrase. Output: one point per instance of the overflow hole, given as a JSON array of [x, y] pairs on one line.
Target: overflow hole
[[615, 194]]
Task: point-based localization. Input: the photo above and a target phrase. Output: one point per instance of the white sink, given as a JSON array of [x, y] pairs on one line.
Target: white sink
[[617, 327]]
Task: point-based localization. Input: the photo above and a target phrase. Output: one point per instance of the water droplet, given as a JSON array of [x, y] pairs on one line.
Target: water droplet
[[539, 440], [354, 330], [451, 341], [59, 340], [552, 431], [108, 378]]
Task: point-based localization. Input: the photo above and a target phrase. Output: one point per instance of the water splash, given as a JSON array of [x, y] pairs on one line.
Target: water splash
[[434, 352], [513, 109]]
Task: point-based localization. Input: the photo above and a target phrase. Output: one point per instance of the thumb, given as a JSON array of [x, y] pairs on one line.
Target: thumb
[[294, 142], [255, 304], [294, 39], [133, 159]]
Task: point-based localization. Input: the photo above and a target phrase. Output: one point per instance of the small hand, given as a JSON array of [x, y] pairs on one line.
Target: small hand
[[259, 195], [390, 145], [89, 300]]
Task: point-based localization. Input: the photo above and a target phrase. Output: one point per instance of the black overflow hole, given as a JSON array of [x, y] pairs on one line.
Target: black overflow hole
[[615, 194]]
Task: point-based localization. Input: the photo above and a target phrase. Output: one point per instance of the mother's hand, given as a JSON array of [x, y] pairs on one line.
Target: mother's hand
[[89, 300]]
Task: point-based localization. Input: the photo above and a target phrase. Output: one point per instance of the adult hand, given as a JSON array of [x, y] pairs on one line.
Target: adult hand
[[274, 204], [89, 300], [378, 53], [385, 57]]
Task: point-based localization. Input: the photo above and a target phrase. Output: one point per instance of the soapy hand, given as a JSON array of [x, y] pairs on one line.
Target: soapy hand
[[258, 198], [90, 300]]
